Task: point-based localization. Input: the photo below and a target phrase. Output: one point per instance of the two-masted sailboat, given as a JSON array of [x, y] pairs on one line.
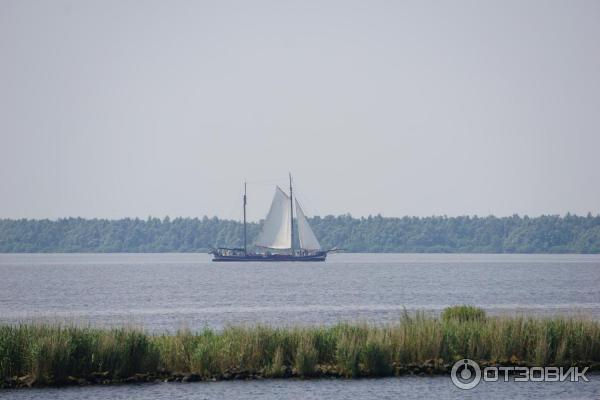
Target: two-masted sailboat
[[276, 241]]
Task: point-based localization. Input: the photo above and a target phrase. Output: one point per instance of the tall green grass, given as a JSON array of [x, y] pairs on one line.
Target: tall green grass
[[463, 313], [52, 354]]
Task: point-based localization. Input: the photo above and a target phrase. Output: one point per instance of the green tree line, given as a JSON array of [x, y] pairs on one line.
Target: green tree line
[[466, 234]]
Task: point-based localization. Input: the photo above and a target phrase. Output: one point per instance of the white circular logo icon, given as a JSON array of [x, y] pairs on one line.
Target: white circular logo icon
[[465, 374]]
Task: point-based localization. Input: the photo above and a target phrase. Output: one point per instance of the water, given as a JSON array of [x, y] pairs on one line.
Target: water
[[166, 292], [389, 388]]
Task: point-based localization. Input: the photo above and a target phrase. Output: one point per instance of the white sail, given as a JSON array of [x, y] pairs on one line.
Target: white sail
[[277, 230], [307, 237]]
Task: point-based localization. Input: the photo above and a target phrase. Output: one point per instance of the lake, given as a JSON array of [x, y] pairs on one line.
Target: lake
[[166, 292]]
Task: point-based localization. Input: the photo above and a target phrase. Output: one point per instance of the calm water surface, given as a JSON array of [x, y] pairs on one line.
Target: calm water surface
[[388, 388], [165, 292]]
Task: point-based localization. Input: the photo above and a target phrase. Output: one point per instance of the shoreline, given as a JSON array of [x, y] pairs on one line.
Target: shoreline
[[418, 344], [321, 372]]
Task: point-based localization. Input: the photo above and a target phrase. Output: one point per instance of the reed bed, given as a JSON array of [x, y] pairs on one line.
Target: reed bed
[[417, 343]]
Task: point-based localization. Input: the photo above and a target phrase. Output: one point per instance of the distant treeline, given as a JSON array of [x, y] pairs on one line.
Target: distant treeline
[[515, 234]]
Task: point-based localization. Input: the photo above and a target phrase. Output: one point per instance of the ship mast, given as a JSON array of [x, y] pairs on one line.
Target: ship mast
[[292, 212], [245, 248]]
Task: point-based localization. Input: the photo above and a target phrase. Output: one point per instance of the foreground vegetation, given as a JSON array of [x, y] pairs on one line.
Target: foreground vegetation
[[54, 355], [545, 234]]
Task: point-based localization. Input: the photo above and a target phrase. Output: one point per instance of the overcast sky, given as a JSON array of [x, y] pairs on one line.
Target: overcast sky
[[137, 108]]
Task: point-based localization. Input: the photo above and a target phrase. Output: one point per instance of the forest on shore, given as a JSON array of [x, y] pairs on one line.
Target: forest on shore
[[466, 234]]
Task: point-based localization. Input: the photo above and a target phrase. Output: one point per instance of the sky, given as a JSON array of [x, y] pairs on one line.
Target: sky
[[115, 109]]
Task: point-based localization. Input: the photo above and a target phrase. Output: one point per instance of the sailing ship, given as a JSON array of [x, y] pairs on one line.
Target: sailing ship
[[276, 241]]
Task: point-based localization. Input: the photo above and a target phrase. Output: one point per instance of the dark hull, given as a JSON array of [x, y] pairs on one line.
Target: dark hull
[[270, 257]]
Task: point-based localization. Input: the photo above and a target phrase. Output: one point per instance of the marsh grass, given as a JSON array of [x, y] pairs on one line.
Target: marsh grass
[[306, 357], [277, 368], [463, 313], [51, 354]]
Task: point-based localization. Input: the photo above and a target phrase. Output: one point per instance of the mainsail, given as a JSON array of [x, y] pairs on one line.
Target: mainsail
[[277, 230], [307, 237]]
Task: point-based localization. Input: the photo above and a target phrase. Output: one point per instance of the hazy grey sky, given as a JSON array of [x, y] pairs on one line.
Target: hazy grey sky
[[137, 108]]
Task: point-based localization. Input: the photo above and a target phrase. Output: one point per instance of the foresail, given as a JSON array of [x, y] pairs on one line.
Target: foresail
[[307, 237], [277, 230]]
